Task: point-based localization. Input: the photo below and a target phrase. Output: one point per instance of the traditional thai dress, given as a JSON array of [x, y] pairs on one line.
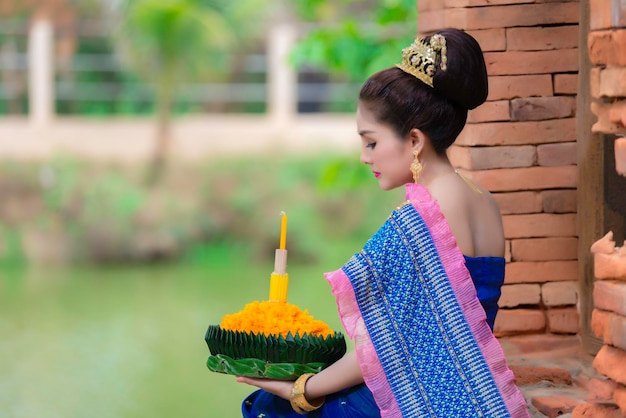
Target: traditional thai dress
[[421, 316]]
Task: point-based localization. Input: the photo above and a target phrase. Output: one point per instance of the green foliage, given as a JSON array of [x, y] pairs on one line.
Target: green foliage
[[355, 38], [12, 253], [104, 213], [172, 40]]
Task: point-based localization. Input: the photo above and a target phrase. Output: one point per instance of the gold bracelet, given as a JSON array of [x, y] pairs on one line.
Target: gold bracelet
[[298, 400]]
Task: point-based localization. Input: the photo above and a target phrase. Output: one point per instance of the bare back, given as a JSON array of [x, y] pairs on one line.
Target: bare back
[[473, 215]]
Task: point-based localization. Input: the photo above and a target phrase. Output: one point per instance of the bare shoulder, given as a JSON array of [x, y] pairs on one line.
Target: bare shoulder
[[473, 215]]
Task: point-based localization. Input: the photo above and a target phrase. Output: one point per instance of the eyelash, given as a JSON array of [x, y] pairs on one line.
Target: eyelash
[[371, 145]]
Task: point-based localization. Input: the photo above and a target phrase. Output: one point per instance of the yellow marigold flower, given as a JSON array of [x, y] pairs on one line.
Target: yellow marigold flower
[[275, 318]]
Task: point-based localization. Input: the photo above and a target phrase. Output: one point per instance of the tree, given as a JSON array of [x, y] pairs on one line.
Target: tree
[[170, 41], [355, 38]]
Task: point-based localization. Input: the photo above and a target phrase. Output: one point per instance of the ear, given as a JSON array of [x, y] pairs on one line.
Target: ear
[[417, 139]]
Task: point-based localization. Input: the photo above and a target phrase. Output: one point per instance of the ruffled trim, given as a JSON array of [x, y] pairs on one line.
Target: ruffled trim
[[352, 320], [463, 287]]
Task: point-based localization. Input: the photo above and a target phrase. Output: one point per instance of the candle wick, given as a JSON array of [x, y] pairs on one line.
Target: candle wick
[[283, 231]]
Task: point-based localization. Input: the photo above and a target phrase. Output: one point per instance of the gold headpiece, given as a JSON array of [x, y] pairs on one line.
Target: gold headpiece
[[421, 59]]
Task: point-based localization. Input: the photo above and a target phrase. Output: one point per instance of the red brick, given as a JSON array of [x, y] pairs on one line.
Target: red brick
[[532, 62], [563, 320], [498, 16], [500, 157], [550, 155], [490, 112], [507, 250], [607, 48], [560, 293], [510, 87], [543, 108], [559, 201], [620, 156], [611, 362], [612, 82], [542, 38], [606, 123], [555, 405], [519, 202], [544, 249], [532, 375], [472, 158], [604, 245], [601, 389], [609, 266], [519, 133], [596, 411], [514, 295], [617, 113], [619, 397], [430, 5], [490, 39], [539, 225], [531, 178], [605, 14], [610, 296], [600, 324], [616, 332], [515, 321], [541, 271], [566, 84]]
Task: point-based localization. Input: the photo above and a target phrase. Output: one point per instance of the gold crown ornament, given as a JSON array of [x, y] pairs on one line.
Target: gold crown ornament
[[421, 59]]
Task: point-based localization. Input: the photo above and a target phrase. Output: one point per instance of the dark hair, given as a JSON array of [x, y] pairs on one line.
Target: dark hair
[[404, 102]]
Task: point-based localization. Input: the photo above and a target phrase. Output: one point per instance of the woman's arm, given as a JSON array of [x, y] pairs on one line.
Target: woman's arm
[[340, 375]]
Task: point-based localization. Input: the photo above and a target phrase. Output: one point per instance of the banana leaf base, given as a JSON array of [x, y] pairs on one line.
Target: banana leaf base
[[252, 367], [271, 356]]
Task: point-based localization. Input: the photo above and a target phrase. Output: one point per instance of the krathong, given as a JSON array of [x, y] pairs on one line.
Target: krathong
[[273, 338]]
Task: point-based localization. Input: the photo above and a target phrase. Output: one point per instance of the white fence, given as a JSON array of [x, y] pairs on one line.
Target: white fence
[[280, 126], [271, 84]]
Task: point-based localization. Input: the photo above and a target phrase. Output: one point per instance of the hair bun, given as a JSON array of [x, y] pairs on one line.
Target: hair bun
[[464, 81]]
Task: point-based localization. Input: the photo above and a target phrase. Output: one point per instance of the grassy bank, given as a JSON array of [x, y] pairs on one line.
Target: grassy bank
[[70, 211]]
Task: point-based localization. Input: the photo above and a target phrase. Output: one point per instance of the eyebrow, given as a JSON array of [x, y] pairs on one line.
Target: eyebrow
[[365, 131]]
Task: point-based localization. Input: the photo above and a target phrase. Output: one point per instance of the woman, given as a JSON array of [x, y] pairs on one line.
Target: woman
[[420, 299]]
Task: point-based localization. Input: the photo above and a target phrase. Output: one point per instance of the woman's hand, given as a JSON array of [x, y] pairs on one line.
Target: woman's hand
[[280, 388], [342, 374]]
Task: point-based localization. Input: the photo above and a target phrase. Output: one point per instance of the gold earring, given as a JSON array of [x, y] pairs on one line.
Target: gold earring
[[416, 167]]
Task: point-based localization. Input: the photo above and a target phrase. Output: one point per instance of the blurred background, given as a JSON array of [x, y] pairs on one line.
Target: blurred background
[[147, 148]]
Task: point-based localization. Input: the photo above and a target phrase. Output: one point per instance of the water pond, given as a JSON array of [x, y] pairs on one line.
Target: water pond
[[111, 342]]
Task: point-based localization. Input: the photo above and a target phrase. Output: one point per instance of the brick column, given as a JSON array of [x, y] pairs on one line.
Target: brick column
[[521, 145], [607, 53], [609, 324]]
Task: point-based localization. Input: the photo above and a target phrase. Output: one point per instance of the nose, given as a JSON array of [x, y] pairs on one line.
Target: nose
[[365, 158]]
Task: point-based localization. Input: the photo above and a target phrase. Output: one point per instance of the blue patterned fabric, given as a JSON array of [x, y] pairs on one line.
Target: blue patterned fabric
[[488, 276], [426, 348]]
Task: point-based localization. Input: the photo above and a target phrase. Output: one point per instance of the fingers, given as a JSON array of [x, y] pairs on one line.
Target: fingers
[[246, 380]]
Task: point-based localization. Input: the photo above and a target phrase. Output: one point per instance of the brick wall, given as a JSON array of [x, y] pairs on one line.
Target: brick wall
[[521, 145], [607, 53], [608, 322]]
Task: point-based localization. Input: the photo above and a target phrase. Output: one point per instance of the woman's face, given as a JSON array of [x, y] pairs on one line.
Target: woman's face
[[388, 155]]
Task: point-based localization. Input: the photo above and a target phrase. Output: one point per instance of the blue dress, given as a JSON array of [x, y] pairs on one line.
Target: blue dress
[[488, 276]]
